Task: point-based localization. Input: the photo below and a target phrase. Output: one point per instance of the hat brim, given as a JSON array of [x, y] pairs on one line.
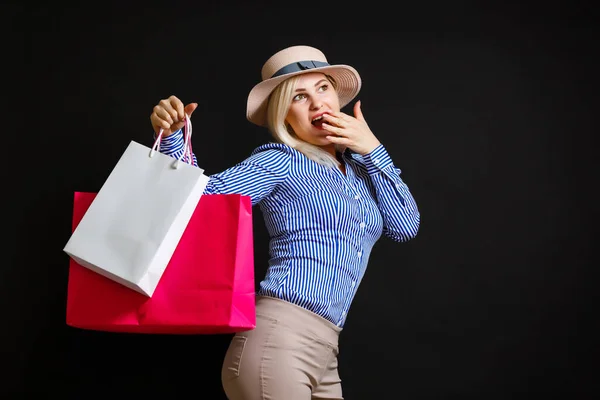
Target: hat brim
[[348, 85]]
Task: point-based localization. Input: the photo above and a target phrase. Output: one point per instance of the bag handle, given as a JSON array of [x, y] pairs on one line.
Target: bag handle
[[187, 156]]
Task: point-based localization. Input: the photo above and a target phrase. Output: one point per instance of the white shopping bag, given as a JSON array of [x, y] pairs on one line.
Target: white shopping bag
[[134, 224]]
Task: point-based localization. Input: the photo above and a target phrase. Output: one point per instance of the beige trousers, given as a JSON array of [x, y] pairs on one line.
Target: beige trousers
[[290, 355]]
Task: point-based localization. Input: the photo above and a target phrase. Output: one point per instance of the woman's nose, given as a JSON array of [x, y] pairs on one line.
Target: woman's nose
[[316, 104]]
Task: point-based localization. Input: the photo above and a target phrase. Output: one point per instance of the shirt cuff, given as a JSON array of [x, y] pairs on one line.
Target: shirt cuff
[[171, 143], [171, 138], [377, 160]]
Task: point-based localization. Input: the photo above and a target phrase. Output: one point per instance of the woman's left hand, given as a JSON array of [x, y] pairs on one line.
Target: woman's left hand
[[352, 132]]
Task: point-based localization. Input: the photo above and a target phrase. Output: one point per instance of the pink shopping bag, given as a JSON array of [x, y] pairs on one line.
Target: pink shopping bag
[[207, 287]]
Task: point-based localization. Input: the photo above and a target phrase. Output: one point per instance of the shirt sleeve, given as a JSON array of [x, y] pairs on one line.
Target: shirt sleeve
[[172, 145], [256, 176], [396, 203]]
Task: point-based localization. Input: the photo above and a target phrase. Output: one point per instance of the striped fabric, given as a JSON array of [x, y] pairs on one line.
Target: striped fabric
[[322, 223]]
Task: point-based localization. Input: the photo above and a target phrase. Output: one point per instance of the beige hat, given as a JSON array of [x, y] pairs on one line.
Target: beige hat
[[293, 61]]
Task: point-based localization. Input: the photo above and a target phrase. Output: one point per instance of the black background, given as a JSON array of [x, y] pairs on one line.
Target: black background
[[488, 110]]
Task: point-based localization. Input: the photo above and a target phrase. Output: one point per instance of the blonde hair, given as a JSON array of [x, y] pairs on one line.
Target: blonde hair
[[277, 110]]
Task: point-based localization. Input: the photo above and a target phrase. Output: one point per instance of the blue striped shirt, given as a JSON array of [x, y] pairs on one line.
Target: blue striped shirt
[[322, 224]]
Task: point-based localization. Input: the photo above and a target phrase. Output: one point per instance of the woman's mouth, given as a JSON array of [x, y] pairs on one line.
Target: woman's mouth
[[318, 121]]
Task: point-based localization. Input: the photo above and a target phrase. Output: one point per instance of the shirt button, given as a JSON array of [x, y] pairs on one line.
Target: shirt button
[[343, 312], [376, 161], [362, 224], [360, 253], [353, 283], [357, 196]]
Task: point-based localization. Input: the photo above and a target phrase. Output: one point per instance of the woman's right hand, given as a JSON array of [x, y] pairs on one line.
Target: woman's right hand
[[169, 115]]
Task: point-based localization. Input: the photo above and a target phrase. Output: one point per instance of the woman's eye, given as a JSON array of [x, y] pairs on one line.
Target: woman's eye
[[298, 97], [324, 88]]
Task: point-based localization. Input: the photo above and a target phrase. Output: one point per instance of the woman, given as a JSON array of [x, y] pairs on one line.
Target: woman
[[328, 190]]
